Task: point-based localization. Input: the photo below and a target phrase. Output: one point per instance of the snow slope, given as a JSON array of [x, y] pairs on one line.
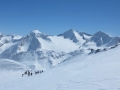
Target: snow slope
[[6, 64], [63, 45], [99, 71]]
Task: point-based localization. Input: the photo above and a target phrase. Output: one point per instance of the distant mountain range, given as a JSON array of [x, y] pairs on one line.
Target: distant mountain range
[[38, 50]]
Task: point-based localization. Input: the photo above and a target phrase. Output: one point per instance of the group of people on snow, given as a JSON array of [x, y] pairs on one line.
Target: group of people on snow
[[30, 73]]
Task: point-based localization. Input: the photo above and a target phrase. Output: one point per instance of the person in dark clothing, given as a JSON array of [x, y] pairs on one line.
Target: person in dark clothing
[[28, 73], [31, 74]]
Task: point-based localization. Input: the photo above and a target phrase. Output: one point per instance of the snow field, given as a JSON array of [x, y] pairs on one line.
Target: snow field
[[84, 72]]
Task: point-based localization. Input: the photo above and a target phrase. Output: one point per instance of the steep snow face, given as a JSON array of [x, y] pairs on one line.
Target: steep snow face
[[85, 35], [72, 35], [100, 38], [6, 41], [25, 44], [6, 46], [78, 37], [38, 34], [32, 41], [114, 41]]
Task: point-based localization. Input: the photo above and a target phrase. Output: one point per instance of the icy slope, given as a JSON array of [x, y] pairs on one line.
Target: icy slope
[[84, 72]]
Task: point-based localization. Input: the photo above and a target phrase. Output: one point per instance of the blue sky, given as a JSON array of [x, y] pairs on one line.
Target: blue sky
[[57, 16]]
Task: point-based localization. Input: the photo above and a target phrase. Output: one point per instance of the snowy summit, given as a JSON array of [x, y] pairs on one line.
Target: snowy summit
[[36, 31]]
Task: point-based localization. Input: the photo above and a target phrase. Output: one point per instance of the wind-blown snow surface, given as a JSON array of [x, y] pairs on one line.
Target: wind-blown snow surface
[[99, 71]]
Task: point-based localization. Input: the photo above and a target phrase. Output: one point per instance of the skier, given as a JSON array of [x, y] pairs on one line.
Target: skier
[[28, 73], [31, 74], [25, 72]]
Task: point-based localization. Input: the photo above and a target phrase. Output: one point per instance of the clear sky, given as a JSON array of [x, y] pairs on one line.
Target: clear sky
[[54, 17]]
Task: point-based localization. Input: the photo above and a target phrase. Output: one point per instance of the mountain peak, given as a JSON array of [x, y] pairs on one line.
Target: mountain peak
[[73, 35], [101, 38], [71, 30], [37, 34], [100, 33], [35, 31]]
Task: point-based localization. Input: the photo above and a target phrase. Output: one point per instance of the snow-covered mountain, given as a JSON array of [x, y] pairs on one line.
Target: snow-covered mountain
[[38, 50], [99, 71], [6, 41], [76, 36], [101, 38], [31, 41], [78, 61]]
